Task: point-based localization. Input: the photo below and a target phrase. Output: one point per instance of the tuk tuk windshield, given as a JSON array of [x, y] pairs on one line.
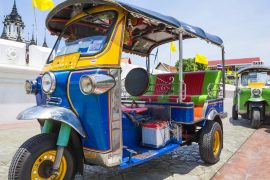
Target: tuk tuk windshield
[[255, 77], [88, 35]]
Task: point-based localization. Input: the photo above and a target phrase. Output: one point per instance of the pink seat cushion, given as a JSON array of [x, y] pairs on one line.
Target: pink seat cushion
[[137, 110]]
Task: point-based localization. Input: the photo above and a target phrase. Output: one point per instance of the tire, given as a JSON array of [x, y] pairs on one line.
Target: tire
[[209, 151], [234, 112], [31, 152], [256, 119]]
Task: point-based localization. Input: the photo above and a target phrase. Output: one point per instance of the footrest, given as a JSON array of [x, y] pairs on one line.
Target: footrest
[[131, 152]]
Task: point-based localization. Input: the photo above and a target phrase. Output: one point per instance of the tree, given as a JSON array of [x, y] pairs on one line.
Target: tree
[[190, 65]]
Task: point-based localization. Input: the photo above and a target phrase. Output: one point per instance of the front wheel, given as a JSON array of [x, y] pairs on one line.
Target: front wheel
[[34, 160], [256, 119], [210, 142]]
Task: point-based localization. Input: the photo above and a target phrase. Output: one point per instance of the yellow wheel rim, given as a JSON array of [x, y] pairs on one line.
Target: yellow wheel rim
[[216, 143], [43, 163]]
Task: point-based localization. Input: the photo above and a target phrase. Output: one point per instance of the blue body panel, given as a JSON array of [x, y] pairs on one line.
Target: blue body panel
[[216, 104], [182, 113], [40, 96], [61, 89], [132, 135], [93, 112]]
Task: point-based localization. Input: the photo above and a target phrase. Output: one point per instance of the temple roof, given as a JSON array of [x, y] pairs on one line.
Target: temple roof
[[14, 16], [45, 41]]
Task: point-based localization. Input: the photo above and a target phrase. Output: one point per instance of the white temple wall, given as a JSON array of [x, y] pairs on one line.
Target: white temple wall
[[38, 55], [13, 99], [12, 52], [13, 73]]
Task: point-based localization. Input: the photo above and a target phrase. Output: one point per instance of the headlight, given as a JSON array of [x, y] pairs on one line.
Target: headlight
[[256, 92], [48, 83], [97, 84], [86, 85], [30, 87]]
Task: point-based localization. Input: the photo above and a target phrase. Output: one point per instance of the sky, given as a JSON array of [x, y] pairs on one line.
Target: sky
[[244, 26]]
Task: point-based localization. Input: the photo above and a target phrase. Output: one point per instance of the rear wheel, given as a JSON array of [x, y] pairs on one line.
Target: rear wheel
[[256, 119], [34, 160], [234, 112], [210, 142]]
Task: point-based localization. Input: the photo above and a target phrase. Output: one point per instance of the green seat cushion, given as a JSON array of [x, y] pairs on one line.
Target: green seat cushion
[[199, 99]]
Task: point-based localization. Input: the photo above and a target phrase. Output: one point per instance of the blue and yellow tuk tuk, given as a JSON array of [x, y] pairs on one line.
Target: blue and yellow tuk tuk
[[84, 116]]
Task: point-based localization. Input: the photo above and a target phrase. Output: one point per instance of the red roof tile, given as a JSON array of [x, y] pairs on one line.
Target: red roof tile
[[234, 61], [167, 67]]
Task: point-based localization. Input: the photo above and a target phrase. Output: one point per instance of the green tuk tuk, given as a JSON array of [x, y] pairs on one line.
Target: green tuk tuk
[[252, 94]]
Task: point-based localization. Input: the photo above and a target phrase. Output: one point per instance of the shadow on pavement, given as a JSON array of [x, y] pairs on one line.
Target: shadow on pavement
[[246, 123], [158, 169], [266, 127], [240, 122]]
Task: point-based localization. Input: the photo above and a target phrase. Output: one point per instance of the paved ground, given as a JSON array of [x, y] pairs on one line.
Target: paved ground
[[183, 163], [252, 160]]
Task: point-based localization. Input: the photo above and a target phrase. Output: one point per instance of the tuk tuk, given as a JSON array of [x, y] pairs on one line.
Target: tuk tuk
[[252, 94], [84, 119]]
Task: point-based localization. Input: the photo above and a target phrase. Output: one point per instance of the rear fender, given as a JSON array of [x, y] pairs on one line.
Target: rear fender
[[213, 115]]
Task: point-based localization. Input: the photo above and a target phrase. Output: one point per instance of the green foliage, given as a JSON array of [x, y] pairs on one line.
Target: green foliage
[[229, 81], [190, 65]]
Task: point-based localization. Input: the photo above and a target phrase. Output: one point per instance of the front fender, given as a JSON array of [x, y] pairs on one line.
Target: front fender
[[259, 99], [55, 113]]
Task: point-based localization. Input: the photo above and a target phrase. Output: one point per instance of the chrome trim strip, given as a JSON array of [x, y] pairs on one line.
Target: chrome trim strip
[[116, 119], [114, 156], [204, 109]]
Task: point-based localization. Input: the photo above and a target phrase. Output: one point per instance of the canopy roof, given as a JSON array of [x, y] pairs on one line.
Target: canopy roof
[[174, 22], [253, 68], [160, 28]]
